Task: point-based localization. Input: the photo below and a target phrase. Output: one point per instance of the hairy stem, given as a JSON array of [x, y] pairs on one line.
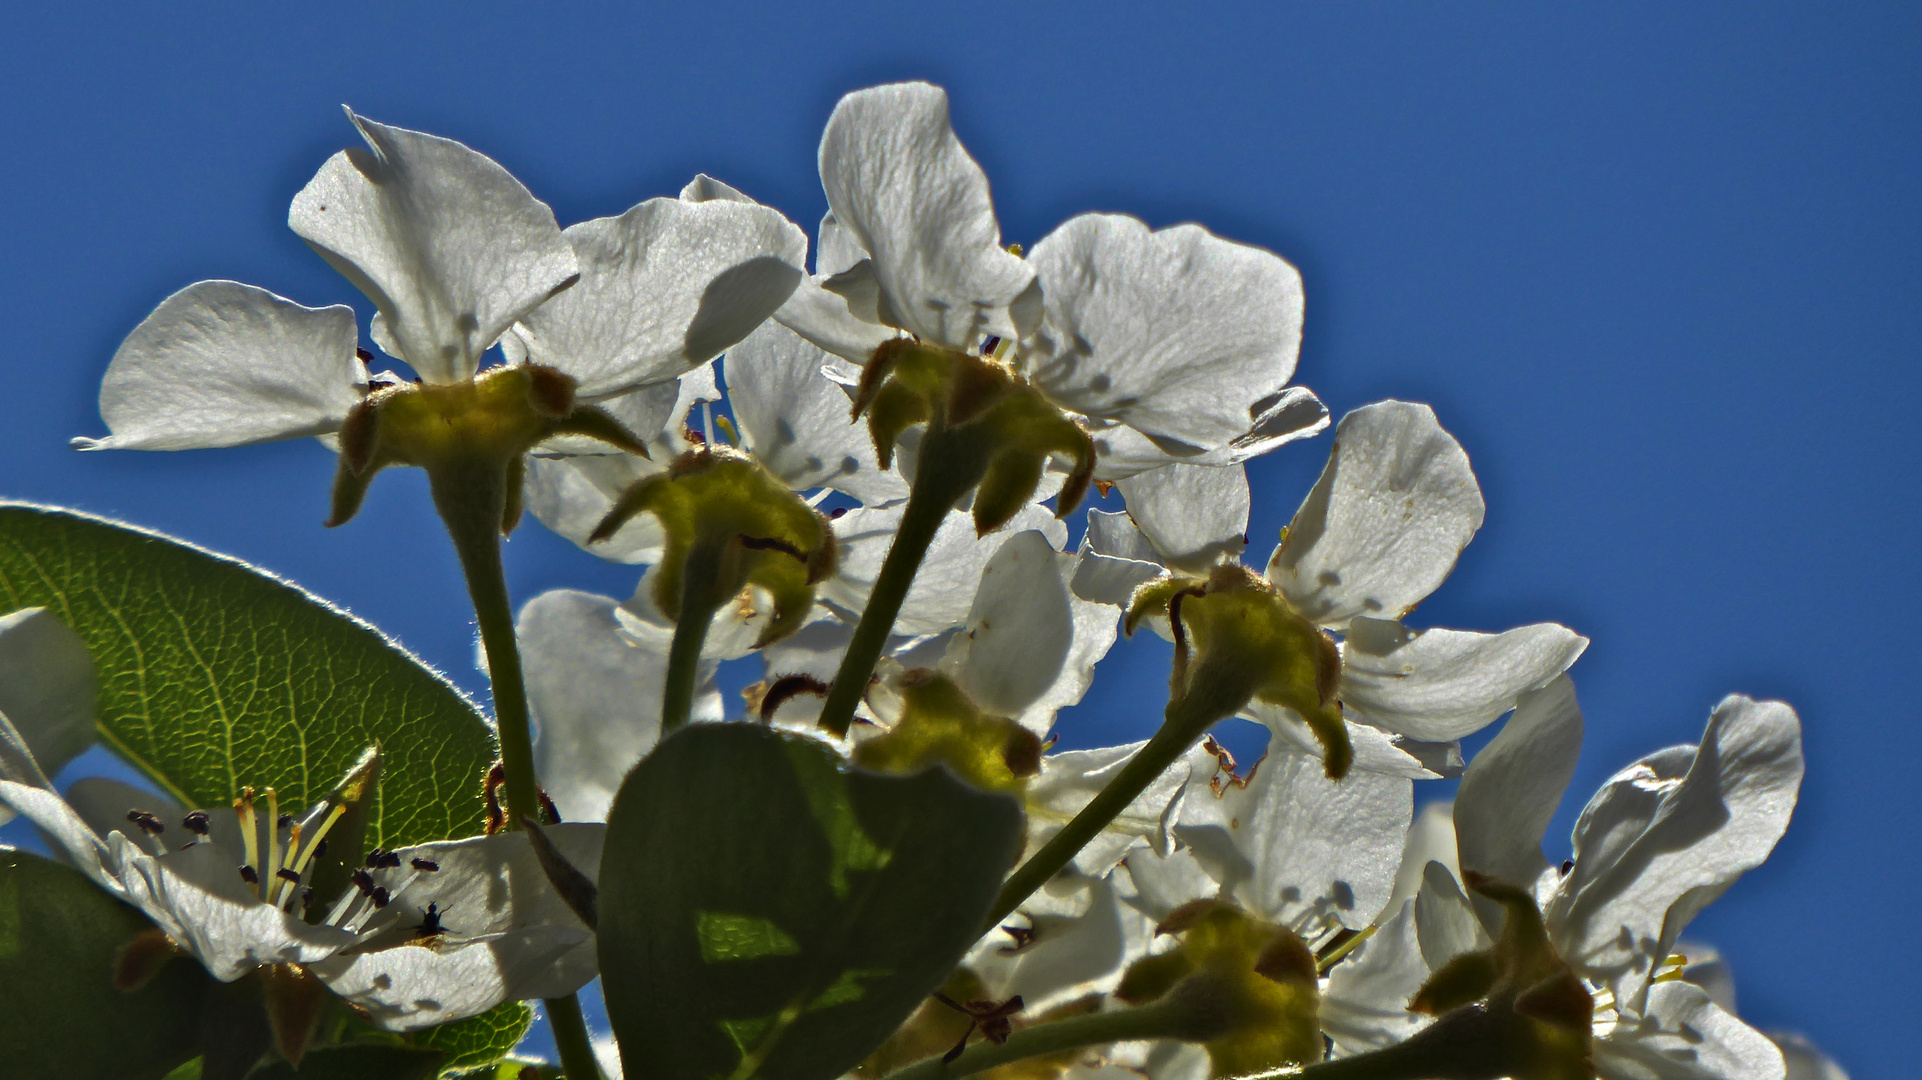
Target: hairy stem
[[1158, 1021], [1186, 720], [471, 502], [928, 504], [690, 632]]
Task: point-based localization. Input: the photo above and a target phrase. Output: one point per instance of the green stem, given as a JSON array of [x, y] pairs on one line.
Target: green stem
[[929, 501], [571, 1039], [690, 632], [1158, 1021], [471, 502], [1186, 721]]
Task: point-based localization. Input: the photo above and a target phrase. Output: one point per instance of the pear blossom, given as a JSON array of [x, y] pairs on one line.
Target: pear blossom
[[1660, 840], [1171, 345], [1380, 530], [454, 253], [47, 689]]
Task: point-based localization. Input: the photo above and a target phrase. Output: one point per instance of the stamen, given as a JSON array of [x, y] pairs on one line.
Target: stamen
[[273, 835], [818, 497], [196, 823], [249, 841], [287, 871], [380, 897], [707, 421], [428, 865], [285, 874], [363, 881], [284, 821], [149, 823], [388, 861], [989, 345], [318, 844]]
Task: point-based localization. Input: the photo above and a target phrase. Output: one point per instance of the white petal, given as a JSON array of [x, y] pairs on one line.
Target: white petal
[[411, 986], [1656, 845], [1431, 838], [572, 495], [1019, 629], [595, 696], [1365, 1003], [664, 288], [47, 686], [1440, 685], [1194, 516], [1071, 779], [1321, 849], [224, 364], [1804, 1059], [1386, 521], [1290, 413], [943, 590], [1681, 1035], [900, 182], [1176, 333], [837, 249], [1375, 750], [38, 804], [1162, 883], [825, 320], [1511, 789], [704, 188], [797, 423], [447, 245], [1073, 954], [198, 898]]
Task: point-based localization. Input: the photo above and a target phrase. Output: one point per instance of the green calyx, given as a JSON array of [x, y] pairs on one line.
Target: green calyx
[[1249, 984], [470, 436], [729, 520], [1236, 641], [1515, 1009], [938, 725], [988, 430]]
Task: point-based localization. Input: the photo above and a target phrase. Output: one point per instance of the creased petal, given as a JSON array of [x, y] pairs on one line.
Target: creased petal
[[224, 364], [1193, 515], [901, 184], [1441, 685], [1176, 333], [1072, 953], [595, 695], [1319, 849], [797, 422], [1804, 1059], [1288, 414], [943, 590], [1071, 779], [1386, 521], [1665, 837], [1365, 1004], [664, 288], [47, 810], [1682, 1035], [449, 246], [198, 898], [1511, 789], [47, 687]]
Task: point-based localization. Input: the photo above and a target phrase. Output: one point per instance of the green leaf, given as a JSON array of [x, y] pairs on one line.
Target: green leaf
[[59, 1012], [357, 1063], [215, 675], [764, 911], [479, 1040]]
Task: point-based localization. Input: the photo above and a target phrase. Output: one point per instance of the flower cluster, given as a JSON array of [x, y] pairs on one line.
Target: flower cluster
[[866, 478]]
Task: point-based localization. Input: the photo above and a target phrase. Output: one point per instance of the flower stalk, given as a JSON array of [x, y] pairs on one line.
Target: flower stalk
[[698, 605]]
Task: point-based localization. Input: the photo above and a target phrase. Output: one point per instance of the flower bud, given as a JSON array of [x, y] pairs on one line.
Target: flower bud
[[938, 725], [1237, 640], [1250, 985], [988, 430], [746, 526]]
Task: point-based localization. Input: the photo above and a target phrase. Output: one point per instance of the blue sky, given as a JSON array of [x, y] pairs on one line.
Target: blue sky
[[1655, 265]]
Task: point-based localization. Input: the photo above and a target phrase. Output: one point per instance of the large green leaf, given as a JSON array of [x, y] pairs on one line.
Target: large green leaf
[[215, 675], [479, 1040], [765, 911], [59, 1013]]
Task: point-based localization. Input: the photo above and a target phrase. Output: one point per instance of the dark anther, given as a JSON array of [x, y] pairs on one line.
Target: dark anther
[[388, 861], [380, 896], [1023, 937], [247, 875], [1567, 865], [373, 858], [285, 874], [428, 865], [430, 923], [363, 881], [785, 689], [148, 823], [984, 1016], [490, 795], [772, 543], [195, 823], [363, 355], [988, 346], [285, 821], [548, 810], [835, 514], [306, 897]]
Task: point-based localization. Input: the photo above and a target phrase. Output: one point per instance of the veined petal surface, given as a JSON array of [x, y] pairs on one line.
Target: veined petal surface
[[1441, 685], [797, 423]]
